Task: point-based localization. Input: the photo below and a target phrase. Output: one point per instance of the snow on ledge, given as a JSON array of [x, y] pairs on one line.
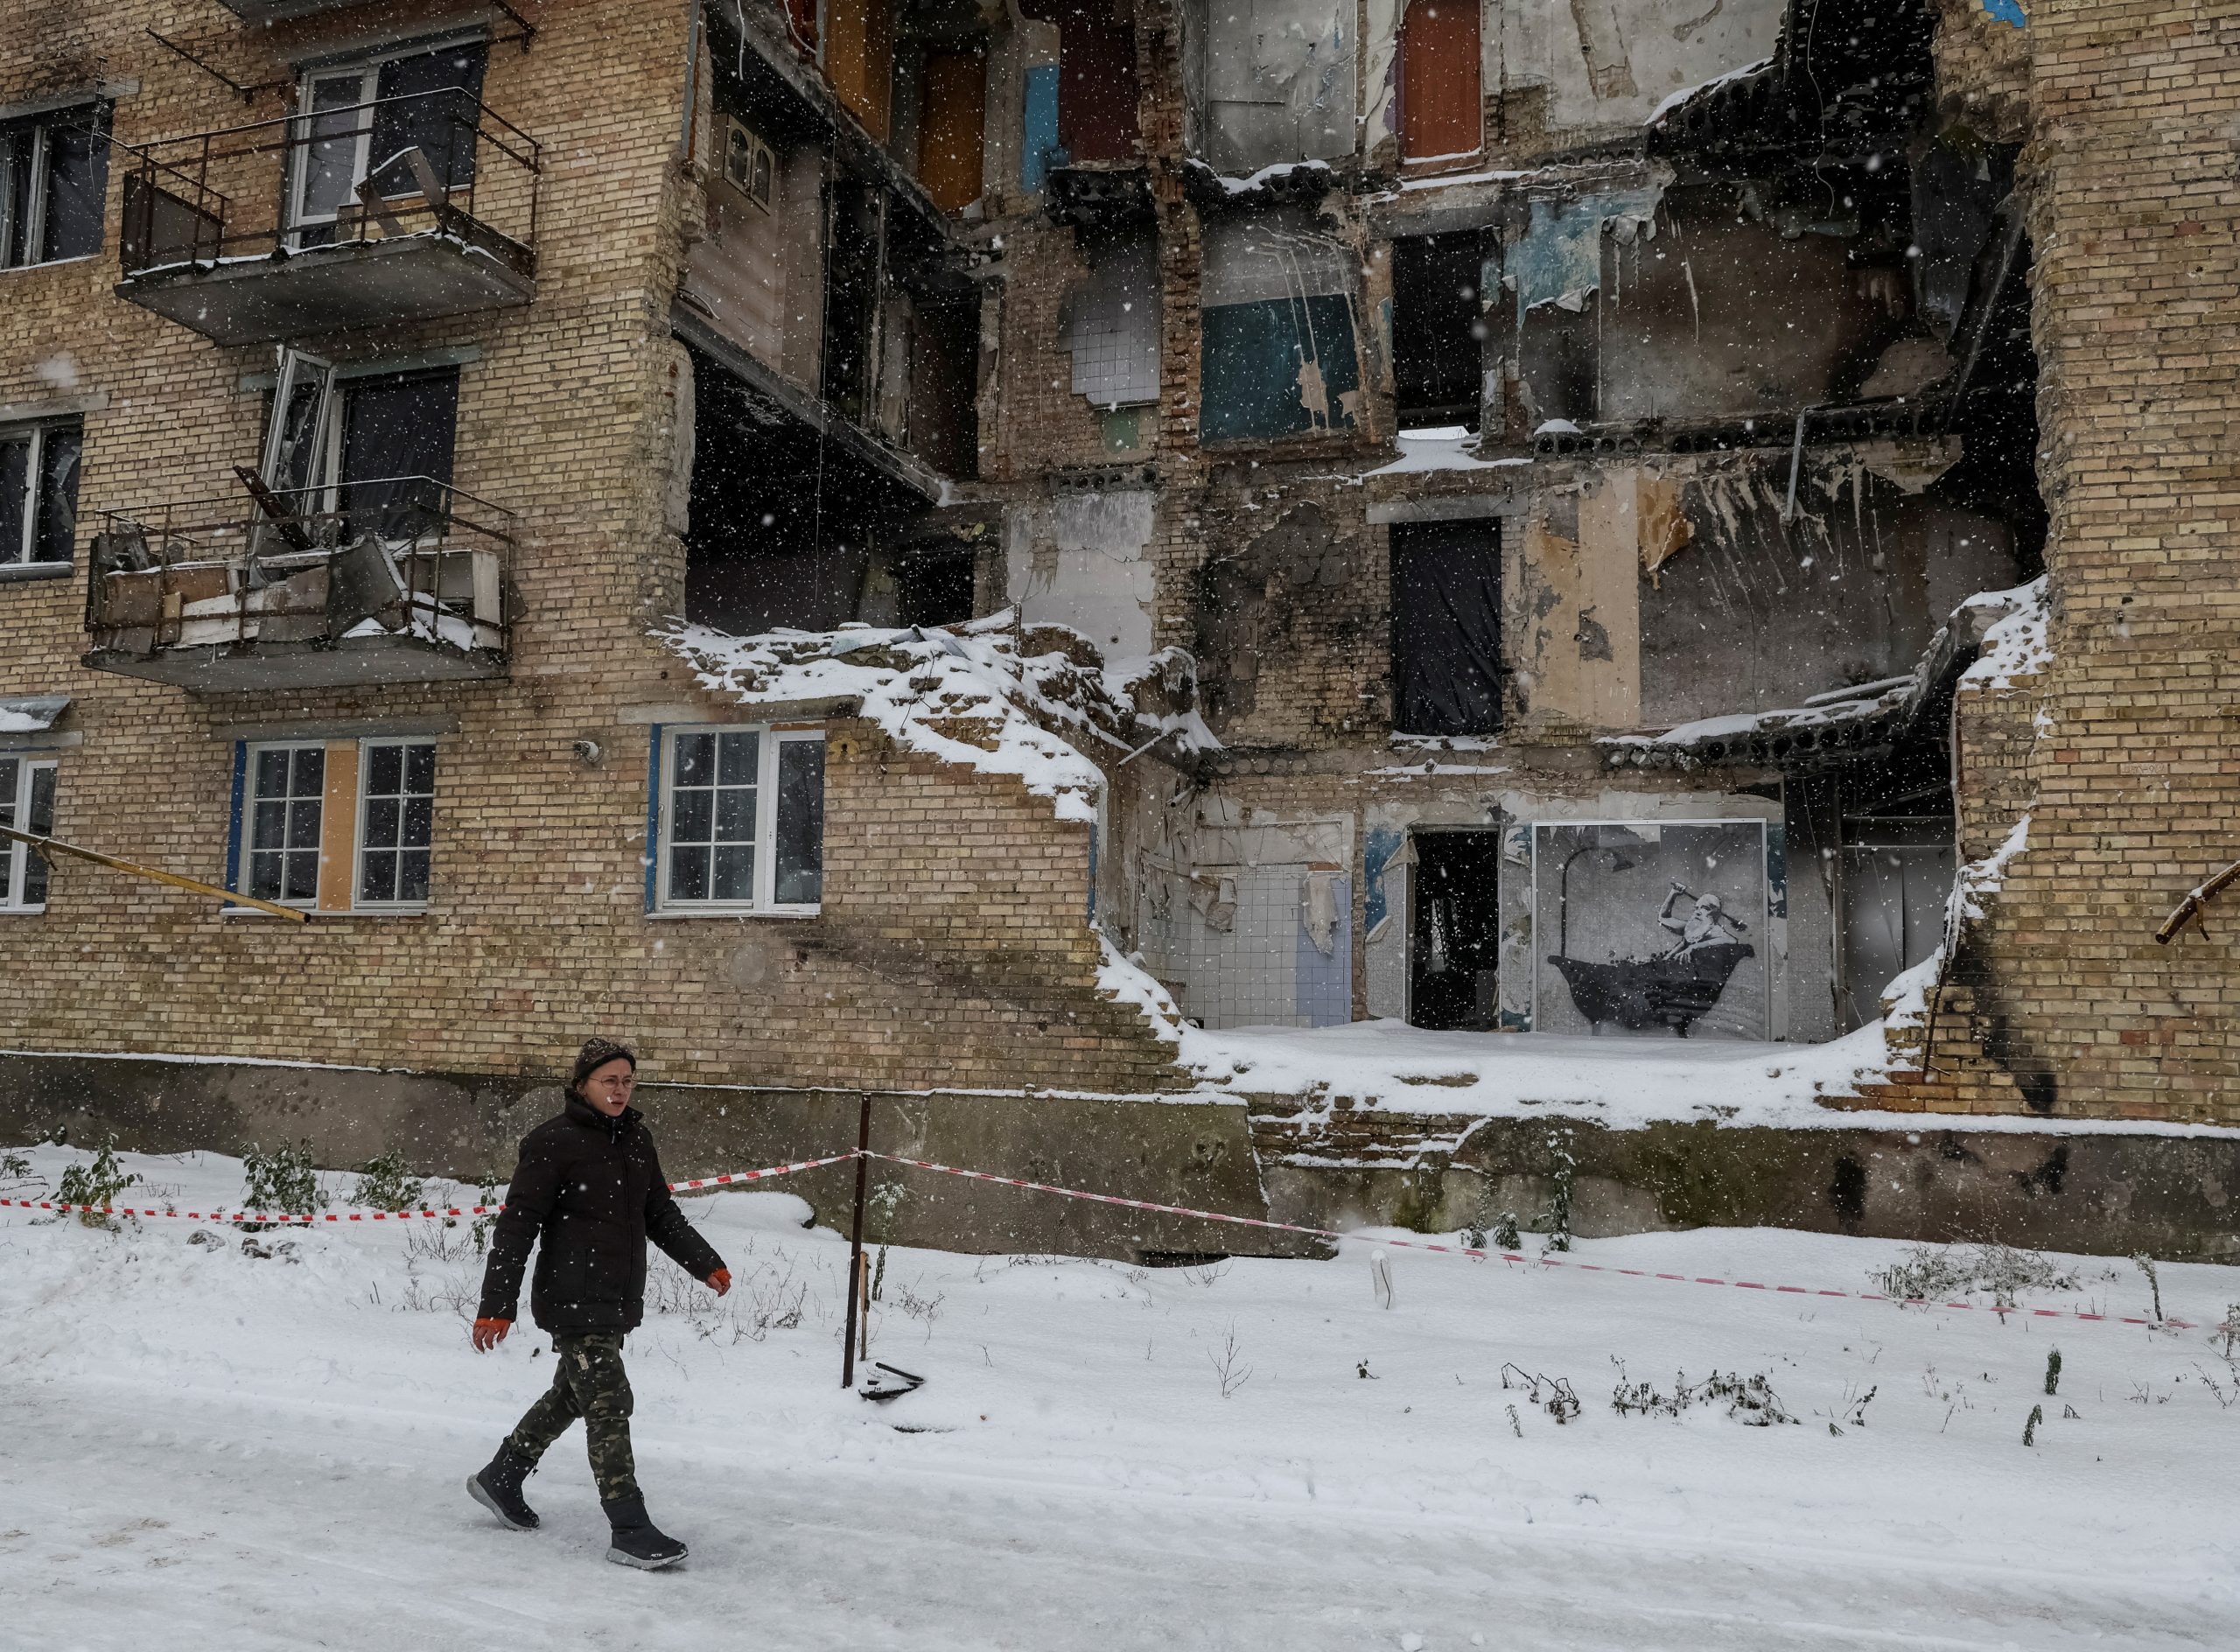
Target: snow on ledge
[[968, 695]]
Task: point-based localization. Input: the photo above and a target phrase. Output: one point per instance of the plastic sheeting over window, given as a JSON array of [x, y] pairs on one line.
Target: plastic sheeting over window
[[1447, 627]]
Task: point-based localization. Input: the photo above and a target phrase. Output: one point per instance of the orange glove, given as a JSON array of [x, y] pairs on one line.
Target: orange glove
[[719, 1281], [490, 1333]]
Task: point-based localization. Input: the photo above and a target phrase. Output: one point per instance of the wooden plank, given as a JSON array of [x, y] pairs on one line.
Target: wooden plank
[[49, 845]]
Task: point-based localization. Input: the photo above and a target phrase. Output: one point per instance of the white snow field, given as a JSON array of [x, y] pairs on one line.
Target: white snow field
[[202, 1449]]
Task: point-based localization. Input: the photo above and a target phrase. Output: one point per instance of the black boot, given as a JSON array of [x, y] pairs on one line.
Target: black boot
[[638, 1541], [498, 1487]]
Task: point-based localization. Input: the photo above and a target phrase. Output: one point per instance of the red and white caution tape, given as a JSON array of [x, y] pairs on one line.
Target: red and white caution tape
[[284, 1220], [1536, 1262], [741, 1177]]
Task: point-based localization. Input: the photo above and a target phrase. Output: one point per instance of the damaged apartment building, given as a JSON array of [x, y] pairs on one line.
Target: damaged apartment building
[[869, 542], [1570, 442]]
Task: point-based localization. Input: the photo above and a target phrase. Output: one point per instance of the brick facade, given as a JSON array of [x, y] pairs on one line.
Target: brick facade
[[952, 947]]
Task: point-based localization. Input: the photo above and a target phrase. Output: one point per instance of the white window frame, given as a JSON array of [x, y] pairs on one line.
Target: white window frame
[[765, 823], [357, 828], [15, 857], [369, 70], [34, 224], [244, 874], [19, 554], [756, 148]]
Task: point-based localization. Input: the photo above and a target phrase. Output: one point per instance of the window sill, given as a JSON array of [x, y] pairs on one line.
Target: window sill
[[50, 264], [316, 915], [22, 912], [669, 915], [14, 571]]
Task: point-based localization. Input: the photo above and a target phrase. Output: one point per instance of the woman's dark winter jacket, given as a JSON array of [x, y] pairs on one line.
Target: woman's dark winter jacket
[[589, 1191]]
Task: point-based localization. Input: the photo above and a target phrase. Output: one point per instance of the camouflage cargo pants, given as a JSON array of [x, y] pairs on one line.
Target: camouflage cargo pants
[[591, 1385]]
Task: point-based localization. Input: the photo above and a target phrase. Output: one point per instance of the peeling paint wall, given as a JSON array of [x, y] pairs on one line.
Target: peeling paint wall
[[1598, 67], [1083, 560], [1281, 351], [1575, 627], [1271, 81]]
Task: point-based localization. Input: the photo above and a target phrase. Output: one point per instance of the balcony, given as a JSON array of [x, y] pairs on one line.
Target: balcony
[[401, 579], [396, 210]]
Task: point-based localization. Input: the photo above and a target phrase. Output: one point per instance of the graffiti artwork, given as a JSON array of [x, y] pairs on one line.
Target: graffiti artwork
[[1656, 927]]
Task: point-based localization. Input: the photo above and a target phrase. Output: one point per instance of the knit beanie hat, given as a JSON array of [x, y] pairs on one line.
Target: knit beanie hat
[[596, 1054]]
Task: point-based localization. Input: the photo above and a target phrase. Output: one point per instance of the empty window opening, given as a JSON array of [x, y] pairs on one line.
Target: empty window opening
[[783, 519], [1447, 627], [1454, 951], [1438, 328], [376, 446], [39, 493], [53, 181], [856, 228], [934, 589], [1442, 114]]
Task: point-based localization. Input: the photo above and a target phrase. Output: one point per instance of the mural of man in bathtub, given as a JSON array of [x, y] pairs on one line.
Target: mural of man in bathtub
[[1651, 928], [1706, 925]]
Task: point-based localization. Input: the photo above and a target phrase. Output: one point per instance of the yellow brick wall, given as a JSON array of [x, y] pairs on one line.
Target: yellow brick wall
[[953, 946]]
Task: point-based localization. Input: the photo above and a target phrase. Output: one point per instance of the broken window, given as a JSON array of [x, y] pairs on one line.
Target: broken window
[[1273, 82], [741, 821], [53, 177], [376, 446], [1277, 354], [1447, 627], [403, 124], [1096, 78], [1438, 333], [27, 805], [1442, 114], [39, 493], [1111, 324]]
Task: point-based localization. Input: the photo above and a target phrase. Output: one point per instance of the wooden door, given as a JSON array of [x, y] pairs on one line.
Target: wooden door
[[950, 131], [1440, 115]]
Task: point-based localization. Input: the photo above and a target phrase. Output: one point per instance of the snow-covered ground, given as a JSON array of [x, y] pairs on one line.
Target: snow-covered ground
[[206, 1449]]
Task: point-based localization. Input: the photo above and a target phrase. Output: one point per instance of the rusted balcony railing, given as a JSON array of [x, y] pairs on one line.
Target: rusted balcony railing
[[391, 579], [396, 209]]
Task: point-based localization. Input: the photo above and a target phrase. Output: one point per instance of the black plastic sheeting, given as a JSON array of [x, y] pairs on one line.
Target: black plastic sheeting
[[1447, 627]]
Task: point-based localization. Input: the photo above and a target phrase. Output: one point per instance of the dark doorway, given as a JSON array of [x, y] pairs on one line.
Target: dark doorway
[[1447, 627], [1454, 952], [935, 590], [1437, 356]]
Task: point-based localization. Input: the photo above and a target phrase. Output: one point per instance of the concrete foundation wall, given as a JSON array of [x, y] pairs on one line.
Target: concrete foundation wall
[[469, 1126]]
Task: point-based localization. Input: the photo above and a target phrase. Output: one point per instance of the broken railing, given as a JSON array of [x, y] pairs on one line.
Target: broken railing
[[423, 162], [399, 556]]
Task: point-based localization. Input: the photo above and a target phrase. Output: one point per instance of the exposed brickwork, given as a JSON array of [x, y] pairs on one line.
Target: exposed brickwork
[[952, 948]]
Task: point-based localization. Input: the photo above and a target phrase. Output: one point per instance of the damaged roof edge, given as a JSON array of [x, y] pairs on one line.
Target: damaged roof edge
[[1828, 728]]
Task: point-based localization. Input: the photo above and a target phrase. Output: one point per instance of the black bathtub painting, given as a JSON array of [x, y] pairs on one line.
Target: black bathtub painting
[[1654, 928], [1640, 993]]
